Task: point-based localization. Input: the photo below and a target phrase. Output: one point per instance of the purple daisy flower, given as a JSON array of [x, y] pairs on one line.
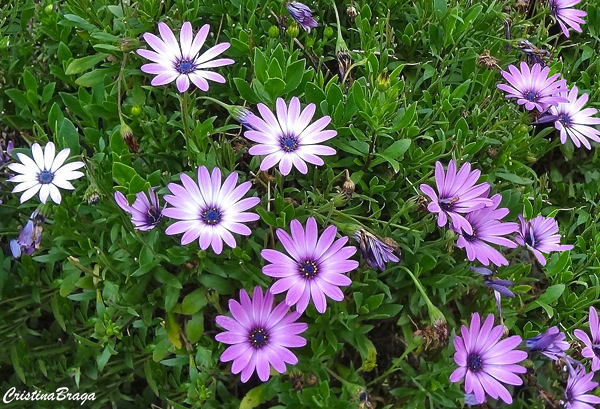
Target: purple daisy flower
[[485, 362], [540, 235], [499, 286], [288, 139], [566, 15], [30, 237], [576, 396], [552, 343], [181, 61], [260, 335], [302, 14], [145, 210], [208, 211], [487, 228], [375, 252], [592, 346], [532, 87], [457, 193], [317, 266], [573, 121]]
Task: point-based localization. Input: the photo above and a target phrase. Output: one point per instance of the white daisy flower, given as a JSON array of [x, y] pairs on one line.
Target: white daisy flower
[[45, 173]]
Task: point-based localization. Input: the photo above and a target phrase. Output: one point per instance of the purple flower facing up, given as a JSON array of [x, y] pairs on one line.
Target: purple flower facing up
[[375, 252], [572, 121], [487, 228], [576, 396], [457, 194], [552, 343], [260, 335], [30, 237], [145, 210], [302, 14], [316, 268], [532, 87], [485, 362], [566, 15], [208, 211], [592, 346], [182, 61], [289, 138], [540, 235]]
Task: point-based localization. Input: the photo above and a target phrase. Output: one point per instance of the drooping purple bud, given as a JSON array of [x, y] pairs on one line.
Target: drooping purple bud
[[302, 14]]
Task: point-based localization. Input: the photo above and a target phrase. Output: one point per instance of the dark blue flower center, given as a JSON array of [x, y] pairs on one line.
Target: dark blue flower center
[[211, 216], [531, 96], [565, 120], [530, 238], [289, 143], [258, 337], [185, 66], [448, 204], [154, 215], [470, 237], [596, 349], [308, 269], [474, 363], [45, 177]]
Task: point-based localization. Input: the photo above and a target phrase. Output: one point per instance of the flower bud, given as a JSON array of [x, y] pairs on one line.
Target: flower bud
[[383, 81], [49, 9], [328, 32], [92, 195], [136, 110], [127, 44], [274, 32], [293, 30], [129, 138], [348, 187], [351, 12]]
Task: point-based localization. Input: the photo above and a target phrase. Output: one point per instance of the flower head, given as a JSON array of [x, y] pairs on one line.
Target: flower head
[[573, 121], [260, 335], [209, 211], [552, 343], [532, 87], [540, 235], [375, 252], [145, 210], [287, 138], [457, 194], [485, 362], [566, 15], [182, 61], [302, 14], [45, 173], [487, 228], [30, 237], [316, 268], [592, 346], [576, 396], [500, 287]]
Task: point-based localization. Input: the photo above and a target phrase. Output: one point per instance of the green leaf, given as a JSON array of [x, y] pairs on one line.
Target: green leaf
[[69, 136], [122, 173], [150, 378], [83, 64], [173, 330], [257, 396], [29, 81], [193, 302], [195, 328]]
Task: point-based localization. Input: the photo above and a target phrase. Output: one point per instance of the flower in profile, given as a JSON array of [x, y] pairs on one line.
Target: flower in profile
[[566, 15], [375, 251], [572, 121], [260, 335], [576, 396], [209, 211], [30, 237], [533, 54], [532, 87], [485, 362], [145, 211], [182, 61], [540, 235], [592, 346], [302, 14], [487, 228], [457, 194], [552, 343], [289, 138], [5, 154], [316, 268], [500, 287], [45, 173]]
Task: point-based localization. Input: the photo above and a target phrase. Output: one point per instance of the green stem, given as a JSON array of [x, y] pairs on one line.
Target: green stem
[[434, 312], [184, 117]]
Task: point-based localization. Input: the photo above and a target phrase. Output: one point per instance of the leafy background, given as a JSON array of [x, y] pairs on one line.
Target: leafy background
[[130, 315]]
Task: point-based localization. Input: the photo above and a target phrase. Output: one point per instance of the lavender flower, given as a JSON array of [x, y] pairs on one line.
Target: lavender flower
[[573, 121], [375, 252], [532, 87], [259, 335], [30, 237], [457, 194], [485, 362], [566, 15], [592, 346], [499, 286], [209, 211], [145, 211], [302, 14], [552, 343], [540, 235], [487, 228], [576, 396], [316, 269], [289, 139], [181, 61]]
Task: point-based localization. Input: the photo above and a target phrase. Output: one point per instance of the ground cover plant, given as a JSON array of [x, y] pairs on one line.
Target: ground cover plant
[[259, 204]]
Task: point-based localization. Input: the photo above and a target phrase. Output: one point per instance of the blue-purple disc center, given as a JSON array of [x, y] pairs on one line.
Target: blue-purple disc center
[[474, 363], [565, 119], [531, 96], [154, 215], [530, 238], [185, 66], [308, 269], [258, 337], [211, 216], [596, 349], [45, 177], [289, 143]]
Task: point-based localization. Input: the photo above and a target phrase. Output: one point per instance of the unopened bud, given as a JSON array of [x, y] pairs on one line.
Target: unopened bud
[[127, 44], [92, 195], [349, 186], [136, 110], [293, 30], [383, 81], [274, 32], [328, 32], [129, 138]]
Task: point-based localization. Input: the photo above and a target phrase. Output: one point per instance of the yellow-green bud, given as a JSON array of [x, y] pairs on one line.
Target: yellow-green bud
[[273, 31], [293, 30], [127, 44], [136, 110], [49, 9], [328, 32], [383, 81]]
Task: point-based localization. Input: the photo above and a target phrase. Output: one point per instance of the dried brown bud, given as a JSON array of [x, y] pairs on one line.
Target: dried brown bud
[[129, 138], [348, 187], [493, 152], [344, 64], [311, 380], [351, 12], [297, 379], [435, 336], [488, 61], [422, 202], [392, 243], [522, 6]]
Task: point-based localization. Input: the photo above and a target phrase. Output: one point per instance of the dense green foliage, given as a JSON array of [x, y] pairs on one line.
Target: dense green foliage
[[129, 315]]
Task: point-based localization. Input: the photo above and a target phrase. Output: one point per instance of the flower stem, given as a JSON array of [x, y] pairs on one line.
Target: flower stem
[[184, 117], [434, 312]]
